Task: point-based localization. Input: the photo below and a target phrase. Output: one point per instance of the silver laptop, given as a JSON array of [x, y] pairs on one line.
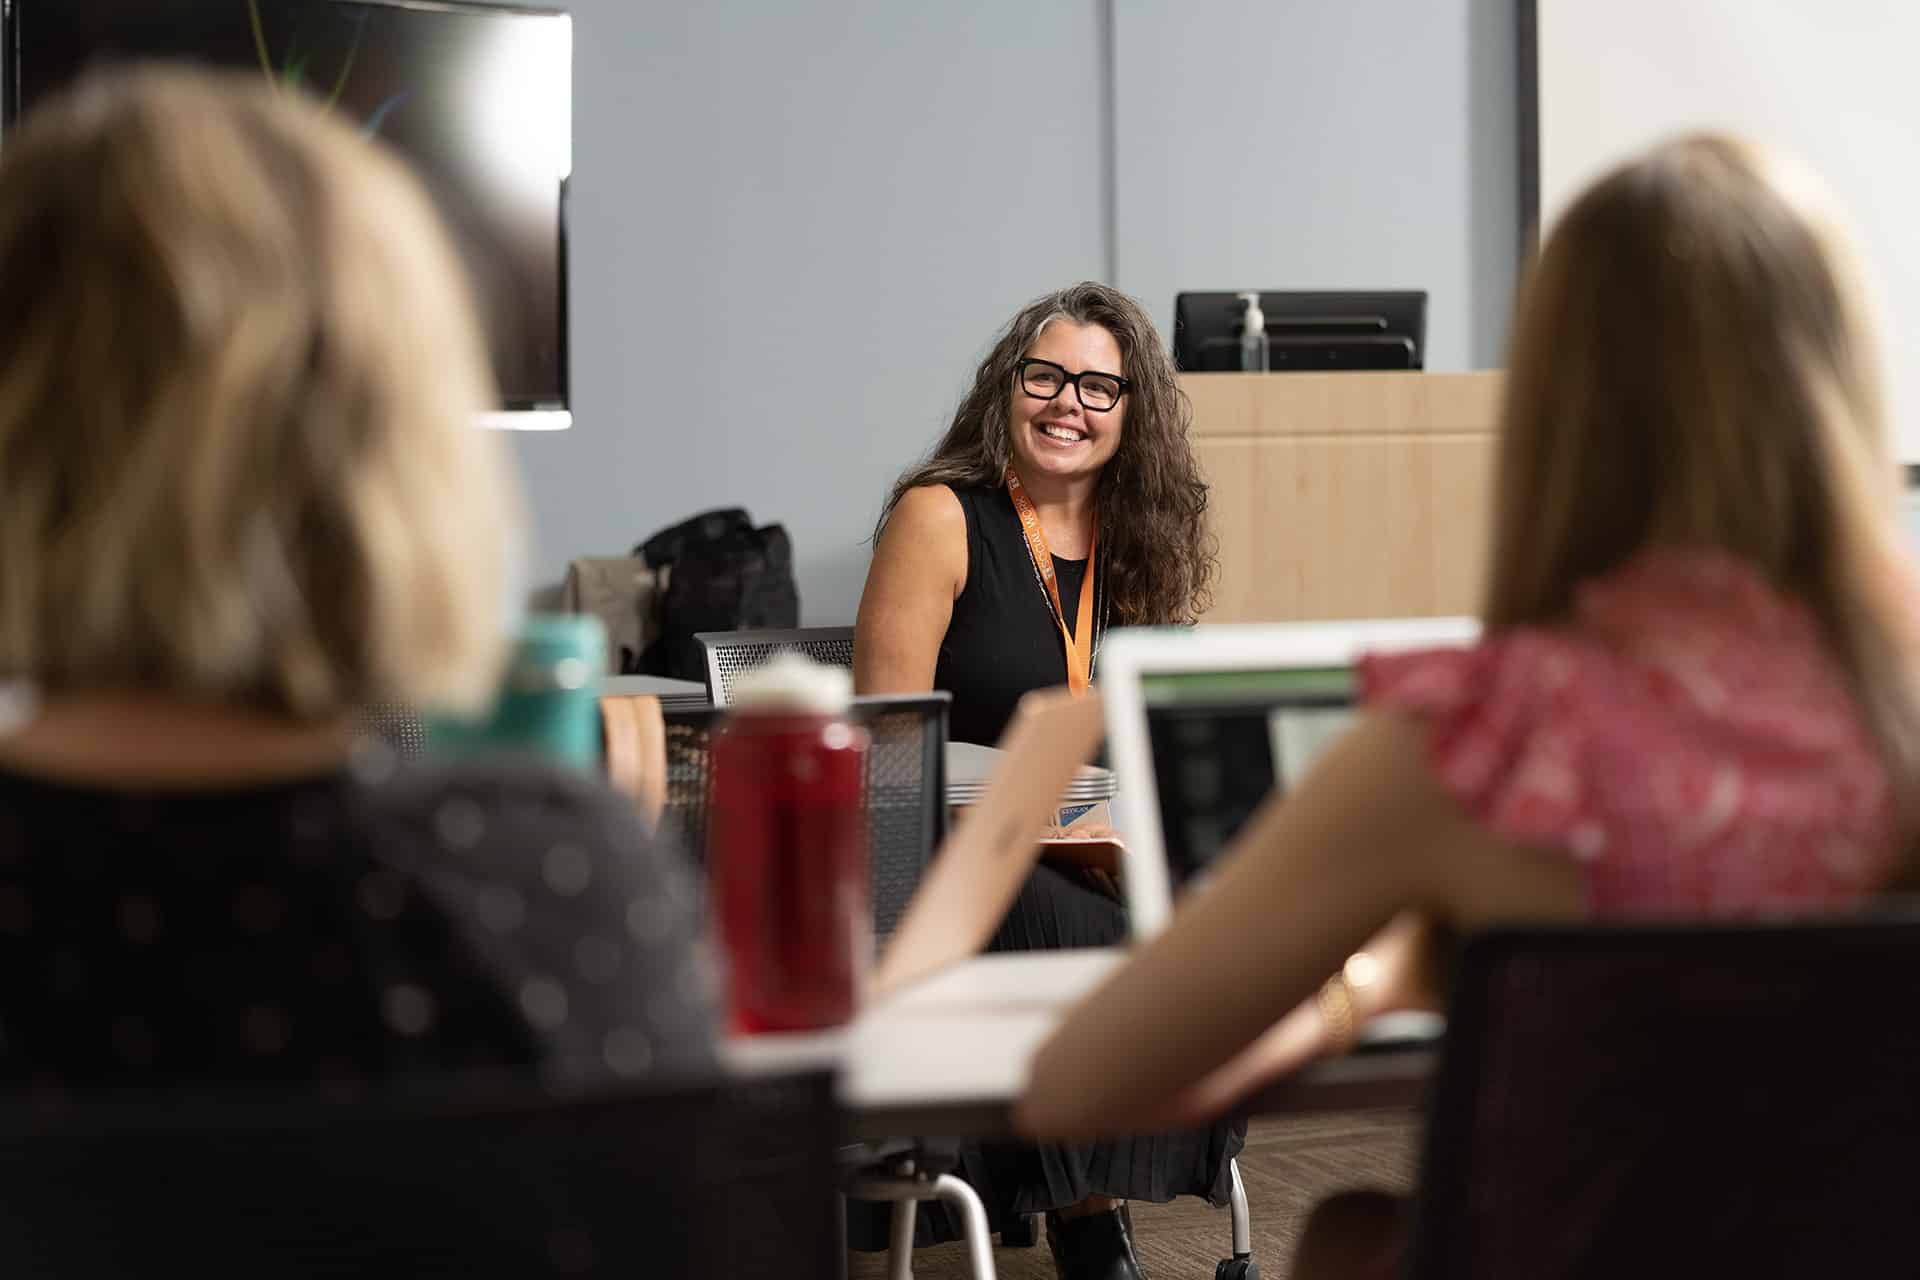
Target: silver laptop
[[1204, 723]]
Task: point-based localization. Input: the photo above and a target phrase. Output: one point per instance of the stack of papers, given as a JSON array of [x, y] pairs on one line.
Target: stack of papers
[[674, 695], [969, 767], [672, 702]]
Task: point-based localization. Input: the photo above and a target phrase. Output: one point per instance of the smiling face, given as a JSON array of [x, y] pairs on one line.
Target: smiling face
[[1059, 438]]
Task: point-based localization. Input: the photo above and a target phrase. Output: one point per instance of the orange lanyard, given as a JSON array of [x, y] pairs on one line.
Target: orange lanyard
[[1078, 642]]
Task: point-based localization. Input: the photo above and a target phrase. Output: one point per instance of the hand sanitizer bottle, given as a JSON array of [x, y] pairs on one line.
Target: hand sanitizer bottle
[[1254, 348]]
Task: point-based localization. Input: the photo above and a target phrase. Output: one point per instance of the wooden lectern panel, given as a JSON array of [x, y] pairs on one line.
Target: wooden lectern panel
[[1346, 495]]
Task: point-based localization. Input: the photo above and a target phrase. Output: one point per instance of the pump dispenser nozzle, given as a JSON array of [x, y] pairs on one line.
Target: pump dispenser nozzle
[[1254, 348]]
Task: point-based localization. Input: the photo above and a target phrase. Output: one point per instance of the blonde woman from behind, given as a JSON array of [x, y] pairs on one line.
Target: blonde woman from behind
[[243, 497]]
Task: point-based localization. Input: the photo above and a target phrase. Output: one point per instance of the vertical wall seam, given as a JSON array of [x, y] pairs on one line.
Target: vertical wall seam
[[1109, 141], [1526, 30]]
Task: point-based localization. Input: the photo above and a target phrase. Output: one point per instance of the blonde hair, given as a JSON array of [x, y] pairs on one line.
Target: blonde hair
[[238, 374], [1694, 364]]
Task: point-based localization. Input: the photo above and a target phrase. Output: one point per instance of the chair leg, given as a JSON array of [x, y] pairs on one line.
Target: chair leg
[[840, 1235], [973, 1221], [1242, 1224], [900, 1243]]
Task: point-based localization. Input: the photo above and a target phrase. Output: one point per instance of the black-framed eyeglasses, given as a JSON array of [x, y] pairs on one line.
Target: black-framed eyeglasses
[[1098, 392]]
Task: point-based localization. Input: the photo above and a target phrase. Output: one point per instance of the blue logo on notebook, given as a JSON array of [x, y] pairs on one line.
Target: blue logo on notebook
[[1072, 813]]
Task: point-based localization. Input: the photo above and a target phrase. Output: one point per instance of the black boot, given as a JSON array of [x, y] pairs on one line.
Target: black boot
[[1098, 1246]]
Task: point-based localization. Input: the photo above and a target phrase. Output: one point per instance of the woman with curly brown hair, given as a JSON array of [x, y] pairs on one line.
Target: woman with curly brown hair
[[1076, 430], [1063, 498]]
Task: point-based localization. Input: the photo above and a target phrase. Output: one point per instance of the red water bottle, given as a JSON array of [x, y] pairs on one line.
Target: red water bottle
[[787, 848]]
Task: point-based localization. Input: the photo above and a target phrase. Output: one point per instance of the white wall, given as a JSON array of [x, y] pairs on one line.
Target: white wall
[[1832, 82], [1299, 144], [794, 230]]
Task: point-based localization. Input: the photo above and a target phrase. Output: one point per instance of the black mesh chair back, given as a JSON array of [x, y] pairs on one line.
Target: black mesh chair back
[[1676, 1101], [689, 778], [729, 653], [398, 727], [734, 1180], [905, 790], [906, 797]]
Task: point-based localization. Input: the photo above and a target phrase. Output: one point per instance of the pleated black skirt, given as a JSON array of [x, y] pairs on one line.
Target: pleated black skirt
[[1058, 908]]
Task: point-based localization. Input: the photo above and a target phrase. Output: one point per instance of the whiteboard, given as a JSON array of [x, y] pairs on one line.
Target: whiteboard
[[1837, 82]]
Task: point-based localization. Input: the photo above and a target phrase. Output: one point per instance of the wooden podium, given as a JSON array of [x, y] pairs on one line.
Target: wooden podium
[[1346, 495]]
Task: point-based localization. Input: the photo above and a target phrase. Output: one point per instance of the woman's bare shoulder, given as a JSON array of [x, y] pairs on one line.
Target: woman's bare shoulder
[[929, 524], [929, 510]]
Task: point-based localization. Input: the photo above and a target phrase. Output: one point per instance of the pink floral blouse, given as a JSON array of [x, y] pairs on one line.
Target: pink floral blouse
[[1687, 739]]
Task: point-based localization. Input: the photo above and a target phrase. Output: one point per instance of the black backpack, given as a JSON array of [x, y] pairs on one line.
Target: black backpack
[[722, 575]]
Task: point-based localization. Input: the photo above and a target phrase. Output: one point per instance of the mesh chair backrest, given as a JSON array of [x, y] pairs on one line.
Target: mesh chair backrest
[[906, 798], [399, 727], [729, 653], [734, 1180], [1676, 1101], [905, 791], [689, 778]]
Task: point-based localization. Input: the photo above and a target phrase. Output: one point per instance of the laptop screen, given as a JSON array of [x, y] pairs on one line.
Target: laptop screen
[[1222, 741]]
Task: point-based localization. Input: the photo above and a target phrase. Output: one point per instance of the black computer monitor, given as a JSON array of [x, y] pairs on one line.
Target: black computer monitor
[[478, 97], [1384, 329]]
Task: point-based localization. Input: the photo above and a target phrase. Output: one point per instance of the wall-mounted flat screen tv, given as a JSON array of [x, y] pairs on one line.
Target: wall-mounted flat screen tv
[[479, 98]]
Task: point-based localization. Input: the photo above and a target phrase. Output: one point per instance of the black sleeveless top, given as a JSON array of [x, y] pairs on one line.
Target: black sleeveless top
[[1003, 640]]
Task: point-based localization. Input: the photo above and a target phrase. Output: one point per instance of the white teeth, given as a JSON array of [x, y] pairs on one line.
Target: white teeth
[[1062, 433]]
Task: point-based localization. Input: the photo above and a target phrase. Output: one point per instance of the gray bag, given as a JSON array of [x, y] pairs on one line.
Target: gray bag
[[625, 595]]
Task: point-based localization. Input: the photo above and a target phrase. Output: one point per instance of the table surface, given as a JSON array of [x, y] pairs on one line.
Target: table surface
[[659, 686], [948, 1056]]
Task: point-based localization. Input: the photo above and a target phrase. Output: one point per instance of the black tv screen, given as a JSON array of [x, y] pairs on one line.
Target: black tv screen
[[478, 98]]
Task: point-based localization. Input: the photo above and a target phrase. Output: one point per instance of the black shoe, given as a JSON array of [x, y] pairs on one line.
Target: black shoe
[[1098, 1246]]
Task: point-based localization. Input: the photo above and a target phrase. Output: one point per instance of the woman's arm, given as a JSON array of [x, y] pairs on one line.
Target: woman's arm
[[917, 572], [979, 869], [1368, 834], [1407, 956]]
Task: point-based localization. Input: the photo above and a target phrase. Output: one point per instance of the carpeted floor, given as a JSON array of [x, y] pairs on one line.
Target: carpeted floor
[[1289, 1165]]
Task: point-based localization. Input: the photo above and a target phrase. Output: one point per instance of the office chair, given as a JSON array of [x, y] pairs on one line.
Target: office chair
[[907, 819], [729, 653], [731, 1179], [397, 727], [1676, 1101], [905, 796], [904, 790]]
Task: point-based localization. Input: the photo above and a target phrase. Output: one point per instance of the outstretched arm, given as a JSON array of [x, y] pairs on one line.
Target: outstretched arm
[[1369, 834], [1406, 954], [979, 869]]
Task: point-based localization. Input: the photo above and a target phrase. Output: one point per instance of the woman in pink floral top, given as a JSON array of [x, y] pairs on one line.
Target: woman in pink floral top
[[1684, 739], [1696, 693]]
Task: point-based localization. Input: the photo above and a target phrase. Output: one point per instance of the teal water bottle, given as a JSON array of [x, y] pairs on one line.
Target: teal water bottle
[[549, 700]]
